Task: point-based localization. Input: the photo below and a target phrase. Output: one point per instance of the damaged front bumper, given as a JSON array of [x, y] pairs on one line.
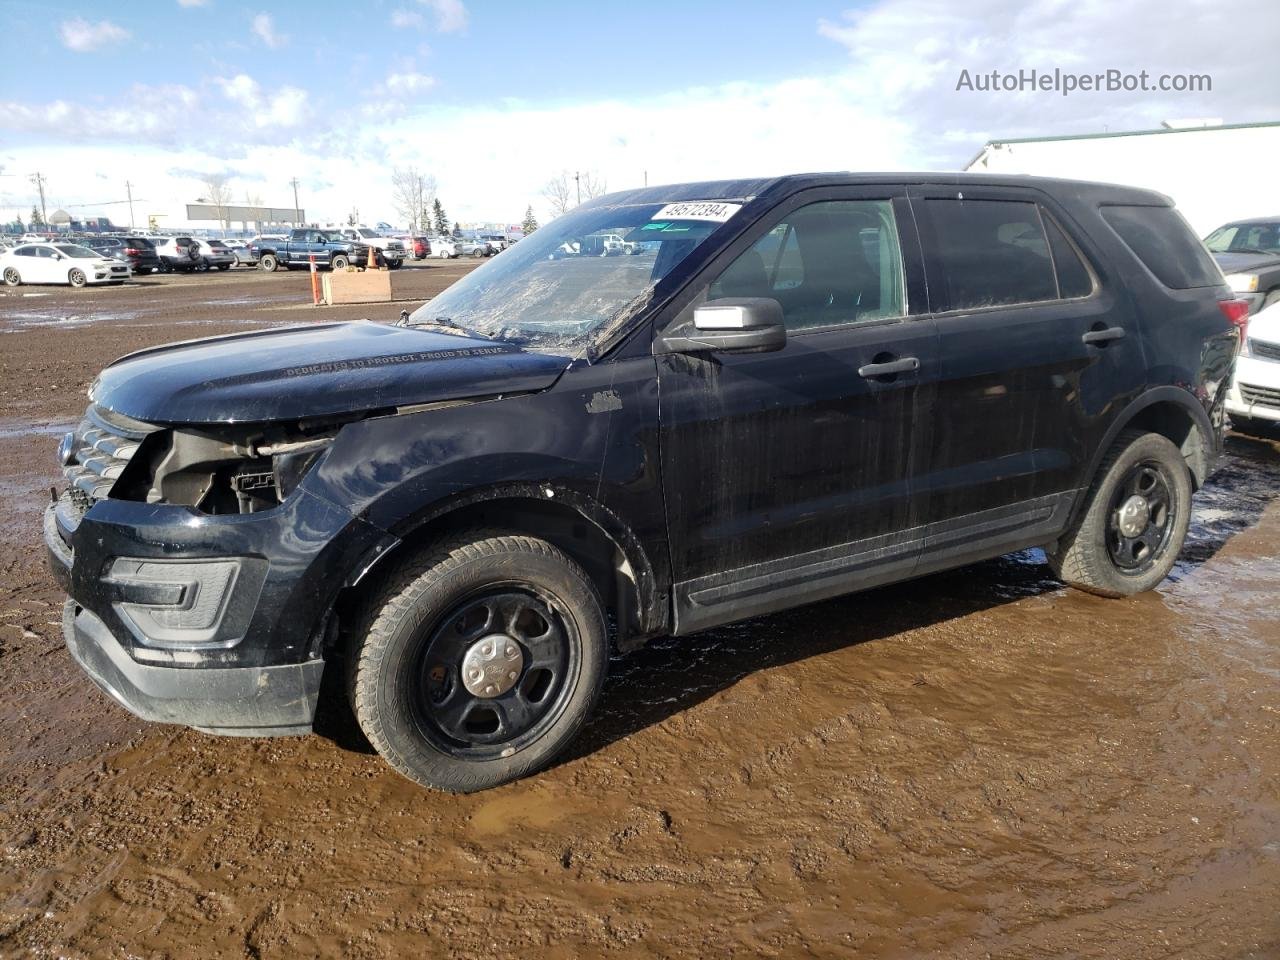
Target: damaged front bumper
[[212, 622]]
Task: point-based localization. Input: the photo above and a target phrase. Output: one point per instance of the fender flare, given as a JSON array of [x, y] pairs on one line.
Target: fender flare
[[651, 597], [1149, 398]]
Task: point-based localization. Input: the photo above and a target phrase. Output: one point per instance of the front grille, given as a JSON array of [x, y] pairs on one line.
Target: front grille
[[104, 443], [1260, 396], [1264, 350]]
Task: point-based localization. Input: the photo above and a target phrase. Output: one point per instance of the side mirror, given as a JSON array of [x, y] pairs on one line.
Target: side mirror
[[732, 325]]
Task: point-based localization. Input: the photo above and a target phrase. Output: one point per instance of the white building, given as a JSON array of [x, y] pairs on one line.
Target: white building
[[1214, 172]]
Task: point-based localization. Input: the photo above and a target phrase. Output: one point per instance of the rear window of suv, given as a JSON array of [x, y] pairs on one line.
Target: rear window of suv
[[1161, 239]]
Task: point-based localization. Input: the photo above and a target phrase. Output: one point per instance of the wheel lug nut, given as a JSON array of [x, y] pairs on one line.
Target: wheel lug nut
[[490, 689], [511, 675]]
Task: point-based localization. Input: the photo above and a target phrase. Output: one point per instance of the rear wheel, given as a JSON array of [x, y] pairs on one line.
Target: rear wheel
[[11, 277], [1134, 522], [269, 263], [77, 278], [224, 266], [479, 661]]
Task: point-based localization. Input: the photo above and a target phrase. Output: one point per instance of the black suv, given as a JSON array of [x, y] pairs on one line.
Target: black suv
[[138, 252], [794, 389]]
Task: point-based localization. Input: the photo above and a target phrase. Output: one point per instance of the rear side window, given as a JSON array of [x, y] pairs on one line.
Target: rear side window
[[1161, 239], [1074, 278], [990, 252]]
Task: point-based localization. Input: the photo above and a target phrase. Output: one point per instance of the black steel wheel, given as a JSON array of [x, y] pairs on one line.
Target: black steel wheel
[[479, 661], [1134, 520]]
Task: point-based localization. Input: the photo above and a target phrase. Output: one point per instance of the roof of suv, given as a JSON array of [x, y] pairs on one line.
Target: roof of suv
[[747, 188]]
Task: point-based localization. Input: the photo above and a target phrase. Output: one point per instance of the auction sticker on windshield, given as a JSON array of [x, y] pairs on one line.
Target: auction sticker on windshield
[[711, 210]]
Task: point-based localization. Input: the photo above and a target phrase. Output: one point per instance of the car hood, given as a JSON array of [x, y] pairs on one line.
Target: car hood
[[1265, 324], [1244, 262], [315, 371]]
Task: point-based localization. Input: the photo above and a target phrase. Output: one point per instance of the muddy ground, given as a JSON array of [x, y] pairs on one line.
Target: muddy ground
[[977, 764]]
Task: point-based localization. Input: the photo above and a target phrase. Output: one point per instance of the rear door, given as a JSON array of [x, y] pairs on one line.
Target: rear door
[[1038, 354], [791, 475]]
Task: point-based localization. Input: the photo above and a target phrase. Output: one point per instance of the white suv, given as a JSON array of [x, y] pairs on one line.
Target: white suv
[[1254, 396], [391, 249]]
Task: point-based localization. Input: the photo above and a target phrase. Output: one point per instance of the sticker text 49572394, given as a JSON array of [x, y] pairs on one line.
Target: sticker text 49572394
[[712, 210]]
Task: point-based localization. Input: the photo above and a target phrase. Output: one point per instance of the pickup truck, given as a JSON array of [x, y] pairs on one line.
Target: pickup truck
[[391, 250], [329, 248]]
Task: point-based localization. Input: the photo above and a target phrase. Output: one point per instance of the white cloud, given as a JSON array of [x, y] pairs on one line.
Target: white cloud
[[406, 19], [409, 84], [264, 28], [82, 36], [285, 107], [451, 15]]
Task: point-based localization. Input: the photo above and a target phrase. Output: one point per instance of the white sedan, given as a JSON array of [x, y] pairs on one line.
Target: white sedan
[[60, 263], [1254, 397]]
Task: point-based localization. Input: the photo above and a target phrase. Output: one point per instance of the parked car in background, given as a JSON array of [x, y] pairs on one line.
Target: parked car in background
[[244, 253], [215, 255], [181, 254], [390, 250], [68, 263], [497, 241], [471, 247], [1248, 251], [459, 523], [421, 248], [445, 248], [1254, 398], [138, 252]]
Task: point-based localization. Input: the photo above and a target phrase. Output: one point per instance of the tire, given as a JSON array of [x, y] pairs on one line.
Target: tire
[[477, 254], [407, 686], [77, 278], [268, 263], [1272, 298], [224, 266], [339, 262], [394, 264], [11, 277], [1093, 555]]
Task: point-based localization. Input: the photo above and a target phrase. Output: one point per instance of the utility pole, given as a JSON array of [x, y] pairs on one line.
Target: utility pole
[[297, 215], [577, 182], [646, 178], [128, 188], [39, 181]]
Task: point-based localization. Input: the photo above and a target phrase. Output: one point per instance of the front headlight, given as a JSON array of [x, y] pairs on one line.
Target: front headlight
[[1242, 282]]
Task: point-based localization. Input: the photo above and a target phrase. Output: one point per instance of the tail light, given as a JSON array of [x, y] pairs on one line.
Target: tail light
[[132, 252], [1237, 311]]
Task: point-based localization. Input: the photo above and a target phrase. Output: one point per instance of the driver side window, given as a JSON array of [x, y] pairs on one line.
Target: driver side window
[[828, 264]]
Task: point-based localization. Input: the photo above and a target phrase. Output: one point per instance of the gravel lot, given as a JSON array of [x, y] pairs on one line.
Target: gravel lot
[[976, 764]]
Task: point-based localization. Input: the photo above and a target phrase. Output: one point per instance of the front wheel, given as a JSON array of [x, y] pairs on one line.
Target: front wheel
[[224, 266], [269, 263], [11, 277], [479, 661], [77, 278], [1134, 521], [339, 262], [394, 264]]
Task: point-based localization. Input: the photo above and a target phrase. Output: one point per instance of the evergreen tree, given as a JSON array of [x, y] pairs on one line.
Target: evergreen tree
[[530, 221], [441, 220], [36, 219]]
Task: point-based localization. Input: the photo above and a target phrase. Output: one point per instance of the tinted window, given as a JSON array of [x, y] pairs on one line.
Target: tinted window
[[1074, 279], [25, 252], [1162, 240], [990, 252], [828, 263]]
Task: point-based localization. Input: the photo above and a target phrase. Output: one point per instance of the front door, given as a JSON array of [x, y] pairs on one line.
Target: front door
[[790, 476]]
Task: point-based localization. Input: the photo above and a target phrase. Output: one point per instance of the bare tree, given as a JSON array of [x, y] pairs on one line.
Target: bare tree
[[593, 185], [217, 191], [412, 193], [559, 193], [353, 217]]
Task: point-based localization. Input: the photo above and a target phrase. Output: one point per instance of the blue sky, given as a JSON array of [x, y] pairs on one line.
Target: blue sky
[[493, 99]]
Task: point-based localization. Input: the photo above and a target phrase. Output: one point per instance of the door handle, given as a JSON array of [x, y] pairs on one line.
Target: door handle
[[889, 368], [1103, 336]]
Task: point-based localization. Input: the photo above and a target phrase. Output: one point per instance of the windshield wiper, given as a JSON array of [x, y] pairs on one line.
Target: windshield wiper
[[450, 324], [1265, 253]]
